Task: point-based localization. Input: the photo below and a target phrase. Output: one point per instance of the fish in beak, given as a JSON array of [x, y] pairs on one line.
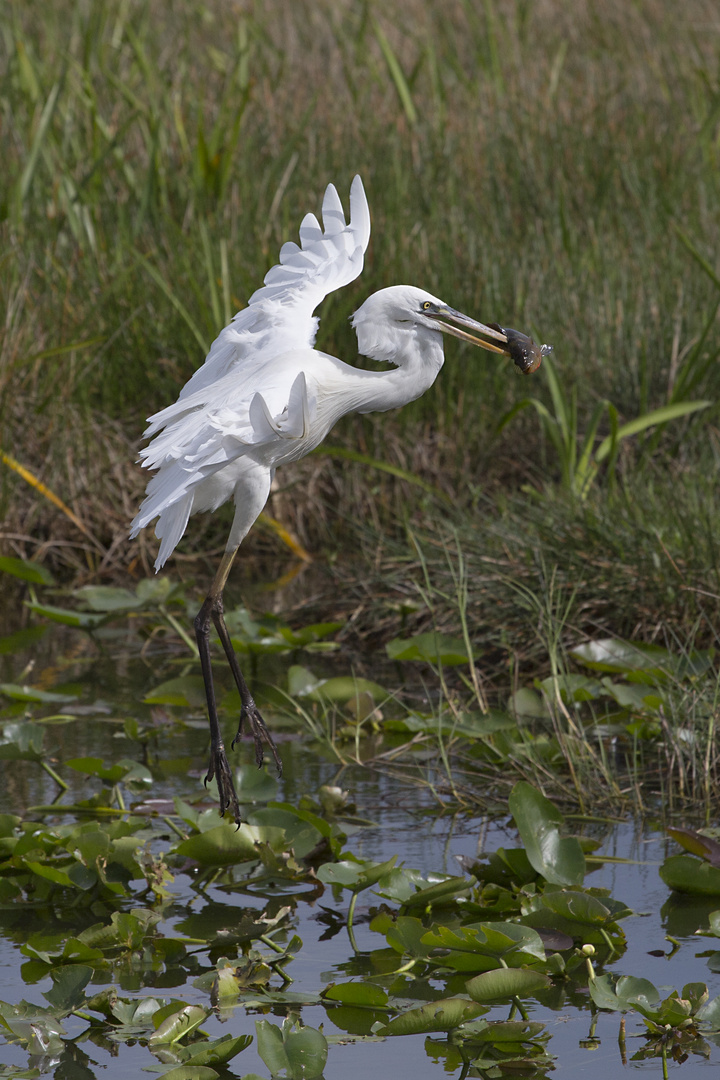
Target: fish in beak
[[523, 351]]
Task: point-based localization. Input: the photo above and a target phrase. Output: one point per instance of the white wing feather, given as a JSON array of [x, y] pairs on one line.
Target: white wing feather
[[249, 393], [279, 316]]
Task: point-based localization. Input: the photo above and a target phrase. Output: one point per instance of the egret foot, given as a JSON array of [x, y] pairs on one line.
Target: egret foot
[[219, 770], [259, 731]]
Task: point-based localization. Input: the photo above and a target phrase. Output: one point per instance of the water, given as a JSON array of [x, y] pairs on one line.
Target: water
[[406, 824]]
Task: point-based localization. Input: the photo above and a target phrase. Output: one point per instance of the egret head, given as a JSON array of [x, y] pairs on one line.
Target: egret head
[[391, 318]]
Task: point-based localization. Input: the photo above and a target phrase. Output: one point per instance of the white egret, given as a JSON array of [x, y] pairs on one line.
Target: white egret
[[265, 396]]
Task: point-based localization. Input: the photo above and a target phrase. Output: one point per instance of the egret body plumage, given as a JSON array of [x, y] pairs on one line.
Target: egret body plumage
[[265, 396]]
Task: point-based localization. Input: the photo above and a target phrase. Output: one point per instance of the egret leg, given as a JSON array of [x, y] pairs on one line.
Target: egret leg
[[212, 611]]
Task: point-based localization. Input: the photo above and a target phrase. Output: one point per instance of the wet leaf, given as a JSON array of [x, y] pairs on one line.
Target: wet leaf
[[225, 845], [697, 844], [685, 874], [190, 1072], [473, 948], [68, 987], [443, 1015], [500, 984], [558, 858], [179, 1024], [354, 874], [307, 1052], [357, 993], [584, 908], [270, 1046], [218, 1051], [441, 892], [21, 741], [509, 1031]]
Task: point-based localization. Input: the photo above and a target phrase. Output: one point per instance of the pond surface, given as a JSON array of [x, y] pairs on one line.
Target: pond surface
[[402, 819]]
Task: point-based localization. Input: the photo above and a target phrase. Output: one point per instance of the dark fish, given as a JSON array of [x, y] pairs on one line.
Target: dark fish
[[523, 350]]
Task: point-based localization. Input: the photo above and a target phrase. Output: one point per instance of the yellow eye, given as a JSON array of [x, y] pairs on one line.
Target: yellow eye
[[426, 305]]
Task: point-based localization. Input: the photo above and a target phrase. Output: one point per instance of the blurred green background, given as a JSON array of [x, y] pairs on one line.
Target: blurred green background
[[548, 165]]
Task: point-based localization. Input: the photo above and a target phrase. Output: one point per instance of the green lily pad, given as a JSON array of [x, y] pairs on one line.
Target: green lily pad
[[225, 845], [501, 984], [445, 1014], [685, 874], [558, 858]]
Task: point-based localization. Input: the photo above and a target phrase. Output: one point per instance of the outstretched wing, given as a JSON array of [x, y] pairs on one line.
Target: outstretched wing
[[251, 390], [279, 316]]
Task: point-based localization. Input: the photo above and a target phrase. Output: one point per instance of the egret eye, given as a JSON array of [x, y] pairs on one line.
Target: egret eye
[[426, 305]]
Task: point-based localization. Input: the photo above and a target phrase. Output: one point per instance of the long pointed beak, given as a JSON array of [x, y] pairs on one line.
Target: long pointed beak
[[521, 348]]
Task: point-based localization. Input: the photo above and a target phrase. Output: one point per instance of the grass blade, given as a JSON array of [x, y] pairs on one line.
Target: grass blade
[[647, 420]]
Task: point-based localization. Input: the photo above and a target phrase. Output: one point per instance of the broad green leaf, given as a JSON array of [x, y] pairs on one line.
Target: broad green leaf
[[509, 1031], [179, 1024], [404, 934], [514, 943], [31, 693], [685, 874], [526, 702], [307, 1052], [431, 648], [68, 986], [504, 983], [270, 1046], [83, 619], [613, 654], [26, 570], [191, 1072], [107, 598], [441, 892], [584, 908], [443, 1015], [354, 874], [697, 844], [303, 684], [50, 873], [21, 741], [218, 1051], [558, 858], [225, 845], [709, 1015], [186, 690], [126, 770], [357, 993]]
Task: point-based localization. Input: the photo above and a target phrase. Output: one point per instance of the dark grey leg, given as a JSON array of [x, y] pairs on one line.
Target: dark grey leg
[[212, 612], [249, 710], [218, 767]]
